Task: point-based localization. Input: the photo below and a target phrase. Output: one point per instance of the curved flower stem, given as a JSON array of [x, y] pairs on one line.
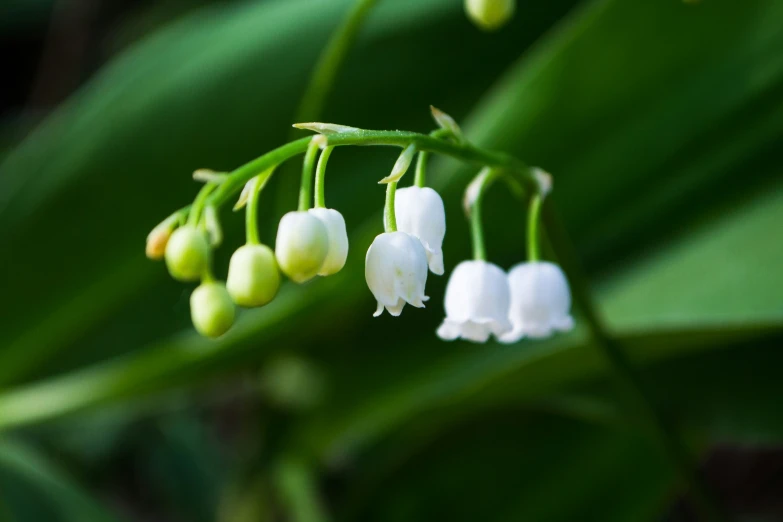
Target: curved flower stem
[[251, 212], [320, 178], [466, 152], [475, 194], [198, 204], [421, 169], [533, 218], [635, 391], [308, 168], [389, 217], [330, 61]]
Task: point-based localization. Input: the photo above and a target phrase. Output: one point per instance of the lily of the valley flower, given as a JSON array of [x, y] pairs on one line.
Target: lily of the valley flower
[[211, 309], [337, 238], [302, 245], [540, 301], [420, 213], [477, 303], [396, 272], [253, 276]]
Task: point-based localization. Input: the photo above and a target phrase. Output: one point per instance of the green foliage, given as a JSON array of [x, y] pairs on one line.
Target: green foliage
[[659, 122]]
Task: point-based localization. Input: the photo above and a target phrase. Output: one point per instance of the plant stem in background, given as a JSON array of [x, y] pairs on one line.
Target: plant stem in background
[[534, 215], [331, 60], [297, 488], [659, 426]]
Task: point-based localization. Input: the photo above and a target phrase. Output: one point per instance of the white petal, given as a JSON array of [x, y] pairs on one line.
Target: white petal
[[540, 300], [477, 302], [396, 271], [338, 240], [419, 211]]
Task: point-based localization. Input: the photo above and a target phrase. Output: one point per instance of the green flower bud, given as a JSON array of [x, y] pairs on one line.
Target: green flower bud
[[253, 276], [187, 254], [211, 309], [490, 15], [301, 246]]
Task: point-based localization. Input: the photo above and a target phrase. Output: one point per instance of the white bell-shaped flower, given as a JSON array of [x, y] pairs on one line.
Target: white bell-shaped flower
[[419, 212], [338, 240], [540, 301], [301, 246], [396, 272], [477, 303]]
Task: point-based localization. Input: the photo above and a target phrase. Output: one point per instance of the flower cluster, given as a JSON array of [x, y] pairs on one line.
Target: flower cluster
[[532, 300]]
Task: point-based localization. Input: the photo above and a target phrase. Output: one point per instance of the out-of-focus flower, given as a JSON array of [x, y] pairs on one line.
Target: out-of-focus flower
[[211, 309], [187, 254], [253, 276], [396, 272], [540, 301], [337, 238], [477, 303], [302, 245], [420, 213], [490, 15]]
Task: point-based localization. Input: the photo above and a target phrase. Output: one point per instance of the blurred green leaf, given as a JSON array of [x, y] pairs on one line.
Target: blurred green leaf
[[34, 489]]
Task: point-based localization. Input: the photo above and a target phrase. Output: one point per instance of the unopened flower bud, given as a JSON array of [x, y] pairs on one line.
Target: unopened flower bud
[[158, 238], [253, 277], [302, 245], [490, 15], [187, 254], [211, 309]]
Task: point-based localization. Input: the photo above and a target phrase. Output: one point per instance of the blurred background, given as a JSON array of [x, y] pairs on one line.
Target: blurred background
[[661, 123]]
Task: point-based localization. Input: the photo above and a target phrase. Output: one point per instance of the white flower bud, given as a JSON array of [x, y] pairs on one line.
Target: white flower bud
[[253, 276], [490, 15], [302, 245], [540, 301], [477, 303], [338, 240], [211, 309], [419, 212], [187, 254], [396, 272], [158, 238]]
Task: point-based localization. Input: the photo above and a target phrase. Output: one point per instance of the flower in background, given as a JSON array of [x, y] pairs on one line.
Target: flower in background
[[420, 213], [396, 272], [477, 303], [540, 301], [490, 15]]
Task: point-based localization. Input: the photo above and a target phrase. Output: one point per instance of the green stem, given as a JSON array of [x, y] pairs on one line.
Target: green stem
[[330, 61], [298, 490], [634, 389], [320, 178], [421, 169], [533, 219], [485, 178], [251, 211], [308, 167], [462, 151], [198, 204], [389, 218]]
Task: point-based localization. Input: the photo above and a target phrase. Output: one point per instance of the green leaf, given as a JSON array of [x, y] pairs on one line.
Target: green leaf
[[35, 489]]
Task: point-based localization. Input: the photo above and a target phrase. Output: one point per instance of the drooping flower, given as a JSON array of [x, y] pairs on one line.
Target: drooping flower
[[477, 303], [490, 15], [420, 213], [302, 245], [253, 276], [337, 238], [396, 272], [211, 309], [540, 301], [187, 254]]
